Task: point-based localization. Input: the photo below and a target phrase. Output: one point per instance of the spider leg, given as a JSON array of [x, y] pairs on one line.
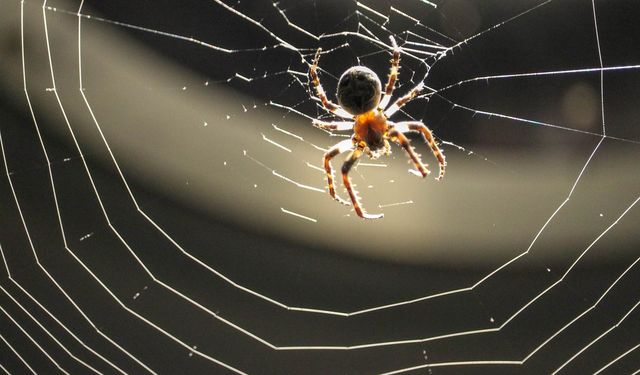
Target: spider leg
[[326, 103], [418, 127], [397, 136], [393, 74], [334, 151], [404, 100], [346, 167], [333, 125]]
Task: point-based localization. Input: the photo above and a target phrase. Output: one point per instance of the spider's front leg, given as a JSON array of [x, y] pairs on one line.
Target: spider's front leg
[[346, 167], [397, 136], [418, 127], [333, 152]]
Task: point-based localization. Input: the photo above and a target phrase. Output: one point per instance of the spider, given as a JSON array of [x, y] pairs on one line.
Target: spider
[[361, 101]]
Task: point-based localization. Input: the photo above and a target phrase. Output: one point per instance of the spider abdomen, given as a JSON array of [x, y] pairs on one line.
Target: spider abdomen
[[359, 90]]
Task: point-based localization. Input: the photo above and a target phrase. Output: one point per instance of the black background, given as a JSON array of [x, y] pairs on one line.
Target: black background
[[297, 273]]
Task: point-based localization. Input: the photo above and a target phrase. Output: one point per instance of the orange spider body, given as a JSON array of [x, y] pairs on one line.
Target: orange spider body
[[371, 128], [363, 103]]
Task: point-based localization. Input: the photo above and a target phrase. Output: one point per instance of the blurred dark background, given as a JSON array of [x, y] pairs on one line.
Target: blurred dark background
[[142, 225]]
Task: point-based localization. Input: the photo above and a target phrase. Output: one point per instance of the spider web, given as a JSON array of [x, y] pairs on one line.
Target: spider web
[[164, 208]]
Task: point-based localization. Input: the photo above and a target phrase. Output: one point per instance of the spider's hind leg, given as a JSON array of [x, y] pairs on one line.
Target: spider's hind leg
[[321, 95], [393, 74], [404, 100]]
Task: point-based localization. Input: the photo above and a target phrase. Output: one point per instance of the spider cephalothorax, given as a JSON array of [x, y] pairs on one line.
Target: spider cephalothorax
[[362, 101]]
